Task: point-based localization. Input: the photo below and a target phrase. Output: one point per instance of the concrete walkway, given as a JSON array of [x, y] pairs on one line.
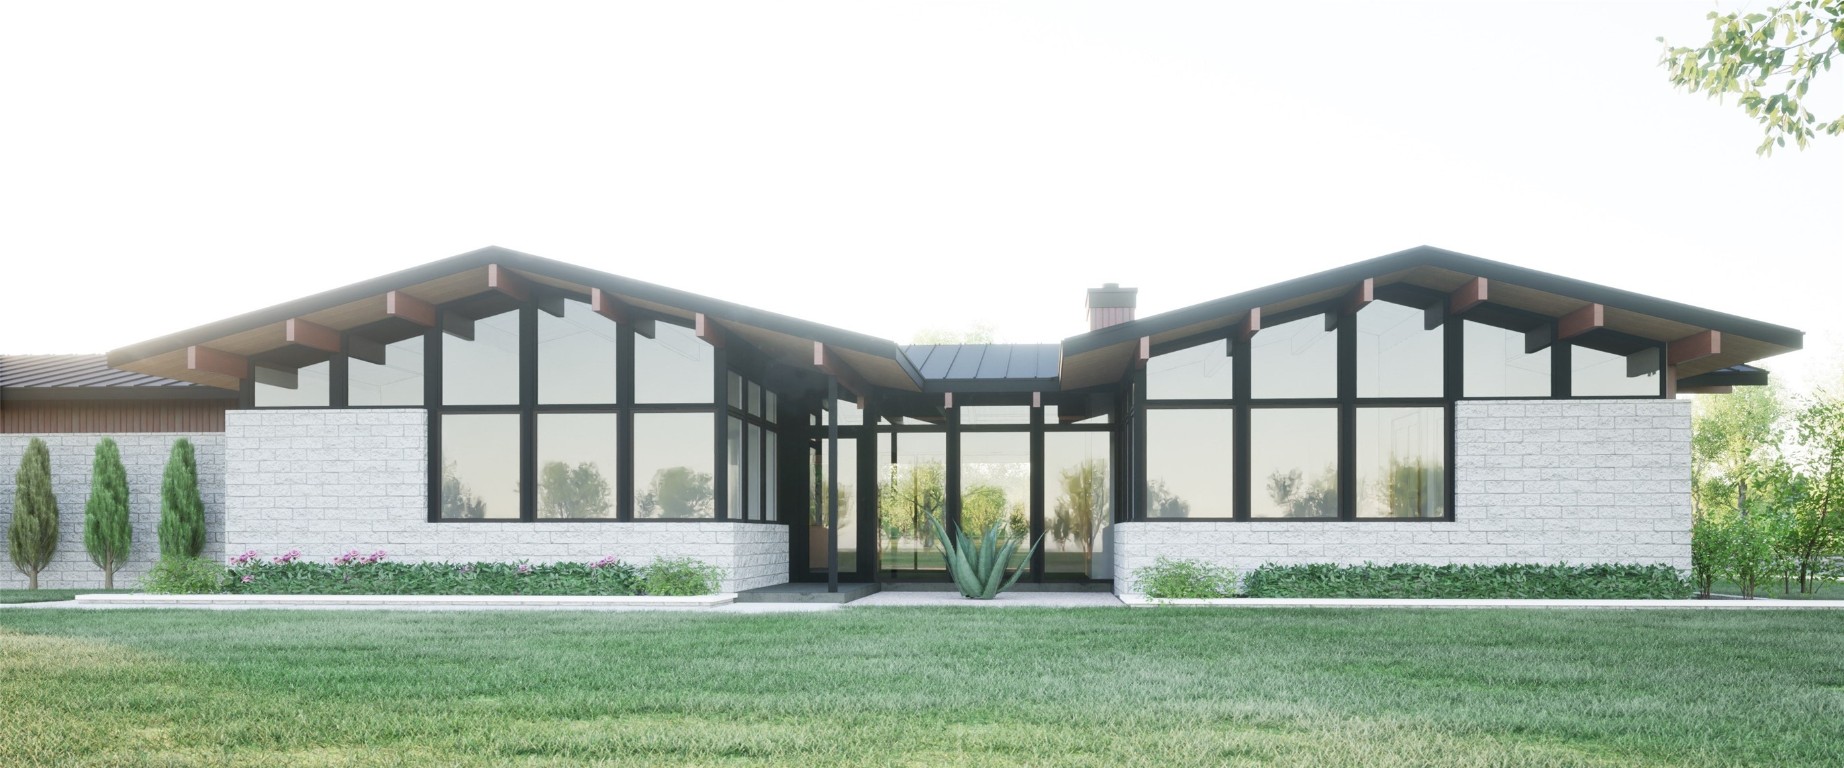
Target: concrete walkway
[[1005, 599], [1141, 601], [897, 599]]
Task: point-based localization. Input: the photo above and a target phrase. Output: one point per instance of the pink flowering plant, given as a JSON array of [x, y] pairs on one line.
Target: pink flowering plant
[[357, 573]]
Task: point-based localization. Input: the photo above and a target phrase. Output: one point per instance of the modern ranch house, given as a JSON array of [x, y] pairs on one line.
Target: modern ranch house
[[1425, 406]]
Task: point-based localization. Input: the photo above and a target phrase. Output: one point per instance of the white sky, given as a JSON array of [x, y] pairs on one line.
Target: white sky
[[885, 167]]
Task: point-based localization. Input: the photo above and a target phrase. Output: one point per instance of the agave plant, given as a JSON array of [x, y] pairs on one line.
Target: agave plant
[[978, 567]]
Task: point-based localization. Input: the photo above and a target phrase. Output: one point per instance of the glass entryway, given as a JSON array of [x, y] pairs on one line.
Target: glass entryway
[[1019, 466]]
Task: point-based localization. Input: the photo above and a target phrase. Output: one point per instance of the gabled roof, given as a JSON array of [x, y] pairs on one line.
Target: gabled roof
[[1501, 294], [1427, 275], [253, 335]]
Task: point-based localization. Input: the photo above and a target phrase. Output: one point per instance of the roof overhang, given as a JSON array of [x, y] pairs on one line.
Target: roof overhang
[[1701, 340], [300, 332]]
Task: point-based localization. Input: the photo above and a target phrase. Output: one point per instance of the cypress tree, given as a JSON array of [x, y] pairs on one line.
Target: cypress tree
[[106, 532], [182, 512], [33, 535]]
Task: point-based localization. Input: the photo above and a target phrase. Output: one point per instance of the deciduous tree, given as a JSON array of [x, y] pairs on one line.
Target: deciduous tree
[[1769, 60]]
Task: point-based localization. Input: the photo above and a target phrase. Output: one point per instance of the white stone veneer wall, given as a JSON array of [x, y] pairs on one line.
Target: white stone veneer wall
[[1536, 481], [144, 455], [329, 481]]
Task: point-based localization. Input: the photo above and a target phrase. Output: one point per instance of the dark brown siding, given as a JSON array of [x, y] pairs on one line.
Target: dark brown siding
[[119, 416]]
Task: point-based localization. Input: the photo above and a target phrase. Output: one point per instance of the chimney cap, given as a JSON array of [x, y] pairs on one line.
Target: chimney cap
[[1112, 295]]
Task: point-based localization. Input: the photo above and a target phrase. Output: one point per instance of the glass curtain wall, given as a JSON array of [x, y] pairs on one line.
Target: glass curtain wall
[[1333, 415], [534, 395], [752, 449]]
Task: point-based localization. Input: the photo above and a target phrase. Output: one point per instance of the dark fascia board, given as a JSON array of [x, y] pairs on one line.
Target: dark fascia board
[[21, 394], [992, 385], [1434, 257], [1733, 376], [525, 262]]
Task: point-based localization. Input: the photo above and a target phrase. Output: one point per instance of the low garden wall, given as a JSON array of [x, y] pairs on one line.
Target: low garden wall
[[326, 482], [1536, 481], [144, 455]]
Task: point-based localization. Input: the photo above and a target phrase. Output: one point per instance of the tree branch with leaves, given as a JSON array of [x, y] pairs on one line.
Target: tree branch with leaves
[[1769, 60]]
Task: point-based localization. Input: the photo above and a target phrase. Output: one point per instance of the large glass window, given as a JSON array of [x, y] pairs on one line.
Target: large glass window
[[1496, 364], [1295, 359], [1593, 373], [771, 475], [399, 381], [1202, 372], [849, 415], [1078, 503], [912, 487], [1293, 462], [480, 466], [733, 453], [1397, 356], [756, 468], [577, 356], [674, 366], [1190, 463], [484, 371], [819, 514], [995, 414], [311, 388], [1401, 462], [673, 465], [995, 482], [577, 465]]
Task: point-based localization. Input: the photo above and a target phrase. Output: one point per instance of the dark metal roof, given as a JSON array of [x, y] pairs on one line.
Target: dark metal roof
[[79, 371], [525, 262], [971, 367], [1435, 257]]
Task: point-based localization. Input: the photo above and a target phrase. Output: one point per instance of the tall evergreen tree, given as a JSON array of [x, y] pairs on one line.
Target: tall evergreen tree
[[32, 537], [182, 512], [106, 532]]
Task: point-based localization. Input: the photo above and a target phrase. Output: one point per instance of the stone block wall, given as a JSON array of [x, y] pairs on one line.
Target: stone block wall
[[1536, 481], [144, 455], [329, 481]]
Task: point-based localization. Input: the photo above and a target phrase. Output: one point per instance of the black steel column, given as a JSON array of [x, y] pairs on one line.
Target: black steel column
[[952, 417], [1346, 372], [832, 483], [1038, 500], [720, 430]]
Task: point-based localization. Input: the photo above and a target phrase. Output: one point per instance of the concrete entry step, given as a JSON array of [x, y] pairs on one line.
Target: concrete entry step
[[1022, 586], [805, 592]]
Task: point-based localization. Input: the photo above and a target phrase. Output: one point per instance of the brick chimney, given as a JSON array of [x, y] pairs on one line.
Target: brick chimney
[[1110, 305]]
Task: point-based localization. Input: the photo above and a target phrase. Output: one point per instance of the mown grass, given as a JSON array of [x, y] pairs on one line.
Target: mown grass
[[47, 595], [1827, 590], [866, 686]]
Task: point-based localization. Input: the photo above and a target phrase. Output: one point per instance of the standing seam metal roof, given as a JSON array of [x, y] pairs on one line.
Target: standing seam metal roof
[[988, 362], [81, 371]]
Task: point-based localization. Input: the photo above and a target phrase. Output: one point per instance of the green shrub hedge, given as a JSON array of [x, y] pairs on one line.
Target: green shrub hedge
[[357, 574], [181, 575], [1171, 579], [1520, 581]]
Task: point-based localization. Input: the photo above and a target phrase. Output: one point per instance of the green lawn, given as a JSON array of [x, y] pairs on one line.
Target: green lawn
[[48, 595], [1827, 590], [867, 686]]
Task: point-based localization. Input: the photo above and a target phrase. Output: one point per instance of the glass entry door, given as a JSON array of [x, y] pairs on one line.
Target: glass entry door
[[912, 487]]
